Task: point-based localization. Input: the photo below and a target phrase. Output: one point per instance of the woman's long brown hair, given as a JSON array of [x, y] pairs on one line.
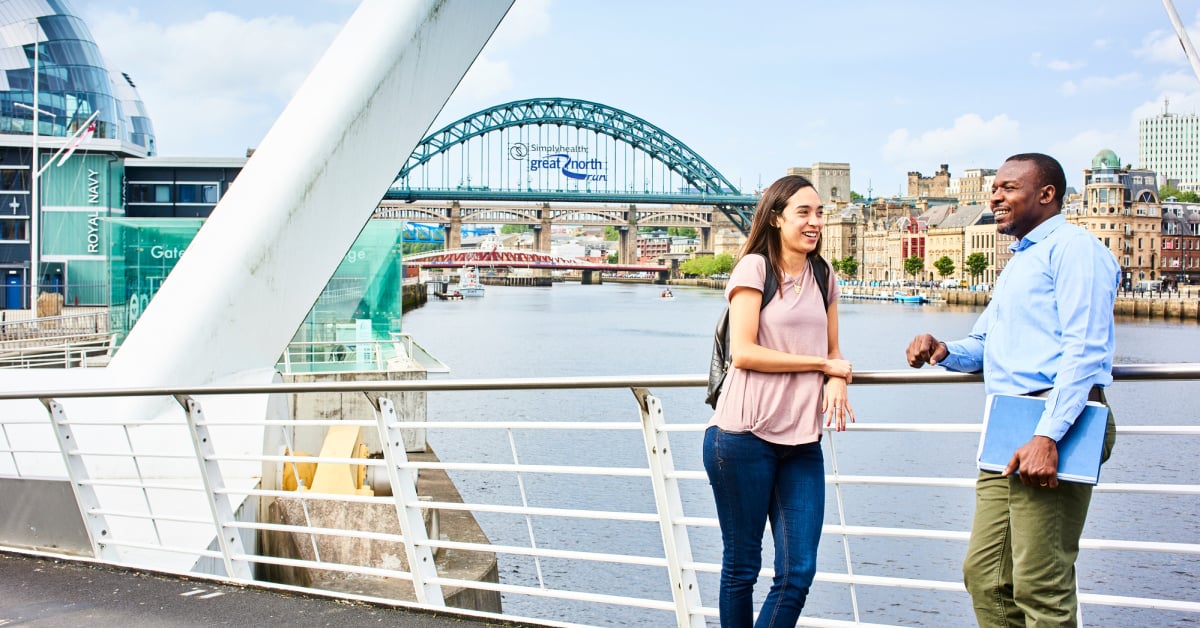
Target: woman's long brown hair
[[764, 236]]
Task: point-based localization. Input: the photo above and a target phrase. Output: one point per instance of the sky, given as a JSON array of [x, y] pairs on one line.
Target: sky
[[753, 87]]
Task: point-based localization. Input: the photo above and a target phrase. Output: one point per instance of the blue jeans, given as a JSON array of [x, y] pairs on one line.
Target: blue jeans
[[753, 481]]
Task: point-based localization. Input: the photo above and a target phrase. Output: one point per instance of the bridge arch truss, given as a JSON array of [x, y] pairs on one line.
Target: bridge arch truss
[[567, 150]]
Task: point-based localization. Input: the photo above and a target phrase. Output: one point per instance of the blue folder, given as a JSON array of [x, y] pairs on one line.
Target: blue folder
[[1009, 422]]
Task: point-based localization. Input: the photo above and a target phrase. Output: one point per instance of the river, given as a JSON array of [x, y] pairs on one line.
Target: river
[[621, 329]]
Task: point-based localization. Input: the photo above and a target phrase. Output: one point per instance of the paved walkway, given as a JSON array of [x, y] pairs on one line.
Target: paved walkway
[[46, 592]]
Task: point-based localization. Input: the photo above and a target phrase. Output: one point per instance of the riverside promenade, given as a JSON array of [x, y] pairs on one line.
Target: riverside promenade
[[1182, 305], [38, 591]]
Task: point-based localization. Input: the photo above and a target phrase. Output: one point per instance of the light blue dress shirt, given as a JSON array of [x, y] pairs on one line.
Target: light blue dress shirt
[[1049, 324]]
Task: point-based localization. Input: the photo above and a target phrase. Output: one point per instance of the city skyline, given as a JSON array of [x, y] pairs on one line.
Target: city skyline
[[753, 89]]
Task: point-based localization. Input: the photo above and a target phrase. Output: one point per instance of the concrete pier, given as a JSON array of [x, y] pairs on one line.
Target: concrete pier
[[455, 525]]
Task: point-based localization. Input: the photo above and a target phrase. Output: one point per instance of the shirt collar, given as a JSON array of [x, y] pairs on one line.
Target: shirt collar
[[1039, 233]]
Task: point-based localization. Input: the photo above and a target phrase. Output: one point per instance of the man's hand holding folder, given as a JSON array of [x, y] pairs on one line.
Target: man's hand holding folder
[[1009, 445], [1037, 462]]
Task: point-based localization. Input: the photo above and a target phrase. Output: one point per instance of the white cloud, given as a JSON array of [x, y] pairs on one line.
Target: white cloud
[[214, 85], [1160, 46], [1098, 83], [485, 80], [970, 141], [491, 75], [1180, 102], [1076, 153], [1164, 47], [1057, 65], [525, 20], [1063, 66], [1177, 82], [1100, 43]]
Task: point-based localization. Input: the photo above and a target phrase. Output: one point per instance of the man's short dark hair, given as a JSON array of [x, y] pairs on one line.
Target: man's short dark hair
[[1050, 172]]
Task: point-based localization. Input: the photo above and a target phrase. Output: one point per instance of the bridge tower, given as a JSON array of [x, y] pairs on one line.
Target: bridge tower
[[542, 243], [627, 243], [705, 234], [454, 230]]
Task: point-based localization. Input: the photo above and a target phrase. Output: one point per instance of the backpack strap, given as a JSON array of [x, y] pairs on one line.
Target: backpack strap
[[821, 274], [770, 283]]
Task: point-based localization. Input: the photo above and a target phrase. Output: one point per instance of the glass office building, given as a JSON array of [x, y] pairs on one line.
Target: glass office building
[[43, 43], [361, 303], [113, 218], [73, 79]]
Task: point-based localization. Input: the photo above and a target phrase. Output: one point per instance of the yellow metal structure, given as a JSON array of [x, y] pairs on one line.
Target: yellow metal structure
[[336, 478], [302, 471]]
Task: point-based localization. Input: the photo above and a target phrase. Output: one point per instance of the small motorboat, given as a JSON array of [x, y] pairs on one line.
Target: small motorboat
[[905, 297]]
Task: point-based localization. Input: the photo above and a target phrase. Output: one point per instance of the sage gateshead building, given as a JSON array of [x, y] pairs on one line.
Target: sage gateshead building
[[86, 200], [68, 123]]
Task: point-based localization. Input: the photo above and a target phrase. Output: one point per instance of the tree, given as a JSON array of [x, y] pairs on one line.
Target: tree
[[724, 263], [975, 264], [707, 265], [848, 267], [612, 258], [856, 197], [836, 264], [610, 233], [516, 228], [1167, 191], [944, 266], [698, 266], [913, 266], [683, 232]]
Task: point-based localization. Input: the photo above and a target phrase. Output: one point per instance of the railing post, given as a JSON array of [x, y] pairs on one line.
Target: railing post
[[85, 495], [229, 539], [408, 510], [685, 590]]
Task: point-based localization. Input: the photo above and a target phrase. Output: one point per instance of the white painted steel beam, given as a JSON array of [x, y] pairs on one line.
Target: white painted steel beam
[[245, 283]]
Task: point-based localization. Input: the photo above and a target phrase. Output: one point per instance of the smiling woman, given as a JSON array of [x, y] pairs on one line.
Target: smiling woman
[[762, 448]]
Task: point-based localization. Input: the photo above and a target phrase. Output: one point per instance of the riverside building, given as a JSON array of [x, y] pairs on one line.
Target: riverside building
[[1121, 208], [54, 84], [1169, 145]]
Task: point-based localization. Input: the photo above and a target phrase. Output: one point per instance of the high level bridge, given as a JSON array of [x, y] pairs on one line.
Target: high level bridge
[[559, 161]]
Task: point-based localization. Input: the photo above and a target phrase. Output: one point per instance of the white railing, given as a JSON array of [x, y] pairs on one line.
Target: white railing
[[584, 535], [357, 355], [16, 325], [63, 351]]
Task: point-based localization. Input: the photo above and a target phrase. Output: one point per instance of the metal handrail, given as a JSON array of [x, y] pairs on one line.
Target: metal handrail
[[1129, 372], [689, 610]]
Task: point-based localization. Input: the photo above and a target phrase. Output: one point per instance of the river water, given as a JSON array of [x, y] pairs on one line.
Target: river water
[[625, 329]]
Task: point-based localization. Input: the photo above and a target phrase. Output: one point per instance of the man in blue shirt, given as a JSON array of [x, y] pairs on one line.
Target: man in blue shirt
[[1048, 331]]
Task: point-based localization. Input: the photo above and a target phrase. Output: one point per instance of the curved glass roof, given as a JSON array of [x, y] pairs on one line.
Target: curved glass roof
[[73, 79]]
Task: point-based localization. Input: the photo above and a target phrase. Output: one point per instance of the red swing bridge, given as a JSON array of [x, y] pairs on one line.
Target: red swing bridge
[[501, 258]]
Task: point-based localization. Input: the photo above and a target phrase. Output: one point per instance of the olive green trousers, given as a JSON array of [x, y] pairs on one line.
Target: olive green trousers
[[1020, 564]]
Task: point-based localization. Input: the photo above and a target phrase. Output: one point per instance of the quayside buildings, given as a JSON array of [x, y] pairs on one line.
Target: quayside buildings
[[946, 216]]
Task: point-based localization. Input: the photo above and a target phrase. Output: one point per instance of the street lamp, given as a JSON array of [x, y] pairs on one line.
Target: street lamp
[[34, 205]]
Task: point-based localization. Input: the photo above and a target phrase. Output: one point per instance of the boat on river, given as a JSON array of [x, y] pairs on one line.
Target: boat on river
[[468, 282], [909, 297]]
